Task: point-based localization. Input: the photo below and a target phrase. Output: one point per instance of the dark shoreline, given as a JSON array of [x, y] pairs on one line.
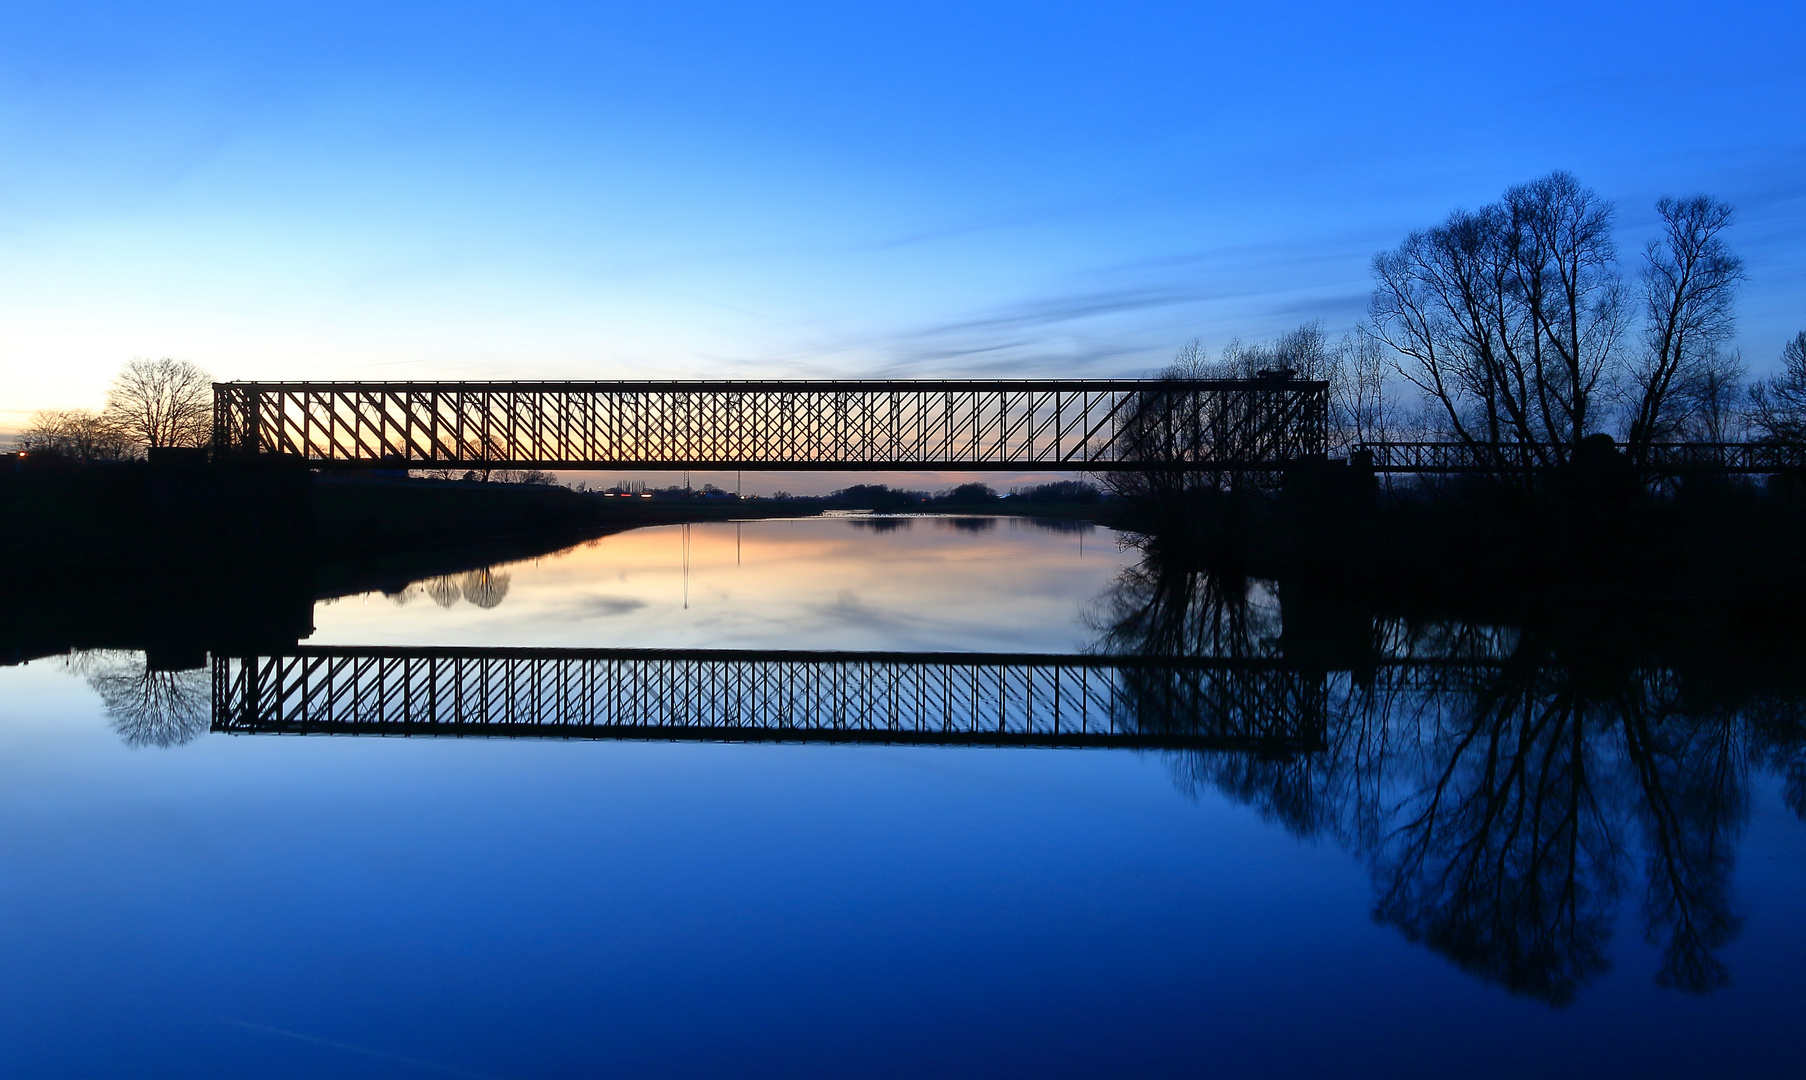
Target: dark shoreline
[[1710, 556]]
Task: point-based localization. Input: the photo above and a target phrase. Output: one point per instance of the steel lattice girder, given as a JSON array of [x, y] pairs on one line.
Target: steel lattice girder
[[1229, 425], [721, 695]]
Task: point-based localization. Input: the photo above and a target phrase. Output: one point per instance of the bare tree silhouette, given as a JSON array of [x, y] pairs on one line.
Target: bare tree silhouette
[[1690, 280], [1778, 404], [1508, 318], [164, 402], [80, 435]]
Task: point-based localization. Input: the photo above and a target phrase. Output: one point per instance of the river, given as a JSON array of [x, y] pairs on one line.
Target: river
[[1461, 854]]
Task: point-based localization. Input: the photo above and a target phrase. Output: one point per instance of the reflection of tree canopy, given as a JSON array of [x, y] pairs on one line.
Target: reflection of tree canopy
[[1496, 850], [966, 524], [1157, 610], [485, 588], [881, 524], [148, 708], [1501, 790], [444, 590]]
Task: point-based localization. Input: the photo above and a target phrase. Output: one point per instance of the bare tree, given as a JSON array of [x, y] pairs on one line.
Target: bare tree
[[1778, 404], [1712, 399], [1508, 317], [1192, 361], [77, 434], [1442, 302], [1160, 425], [523, 476], [1305, 351], [164, 402], [1690, 282], [1564, 268], [1363, 409]]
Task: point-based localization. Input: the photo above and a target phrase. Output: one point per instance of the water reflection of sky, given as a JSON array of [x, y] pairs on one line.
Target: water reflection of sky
[[981, 584], [290, 907]]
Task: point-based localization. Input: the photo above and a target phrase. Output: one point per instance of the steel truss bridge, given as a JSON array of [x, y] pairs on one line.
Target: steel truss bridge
[[966, 699], [1669, 459], [1234, 426]]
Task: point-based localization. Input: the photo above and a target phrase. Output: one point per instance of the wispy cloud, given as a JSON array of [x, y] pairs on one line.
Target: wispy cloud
[[602, 607], [1124, 318], [362, 1051]]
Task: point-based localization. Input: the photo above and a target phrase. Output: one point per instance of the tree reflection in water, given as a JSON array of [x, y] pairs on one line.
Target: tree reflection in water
[[444, 590], [485, 588], [147, 707], [1500, 788]]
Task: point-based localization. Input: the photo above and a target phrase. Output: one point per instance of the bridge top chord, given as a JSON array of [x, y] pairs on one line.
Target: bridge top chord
[[535, 386]]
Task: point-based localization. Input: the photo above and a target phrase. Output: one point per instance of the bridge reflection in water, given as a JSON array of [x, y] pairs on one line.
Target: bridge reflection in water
[[971, 699]]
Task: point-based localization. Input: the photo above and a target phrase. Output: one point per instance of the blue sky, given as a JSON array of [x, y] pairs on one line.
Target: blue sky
[[531, 190]]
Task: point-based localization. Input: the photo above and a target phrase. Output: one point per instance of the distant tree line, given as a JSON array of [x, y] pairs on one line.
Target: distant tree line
[[151, 403], [884, 498], [484, 474]]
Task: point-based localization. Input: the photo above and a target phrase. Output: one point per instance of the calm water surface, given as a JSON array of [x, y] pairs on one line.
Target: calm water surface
[[1475, 874]]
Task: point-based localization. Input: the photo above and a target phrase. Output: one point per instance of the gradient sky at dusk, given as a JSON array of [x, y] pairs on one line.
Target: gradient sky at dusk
[[690, 189]]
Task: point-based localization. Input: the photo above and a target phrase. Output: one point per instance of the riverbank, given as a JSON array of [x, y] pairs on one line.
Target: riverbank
[[1709, 552]]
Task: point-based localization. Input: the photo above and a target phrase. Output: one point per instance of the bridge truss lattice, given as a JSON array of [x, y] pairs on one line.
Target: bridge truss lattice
[[730, 695], [1242, 425]]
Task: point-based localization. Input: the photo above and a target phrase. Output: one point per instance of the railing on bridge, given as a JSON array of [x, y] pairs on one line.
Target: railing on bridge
[[727, 695], [1660, 458], [1247, 425]]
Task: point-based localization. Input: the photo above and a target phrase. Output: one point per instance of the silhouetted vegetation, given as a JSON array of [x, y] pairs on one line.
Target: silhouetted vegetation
[[1511, 334], [876, 497], [76, 436], [1779, 403], [164, 402], [1516, 327], [881, 498], [1060, 491], [151, 404]]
